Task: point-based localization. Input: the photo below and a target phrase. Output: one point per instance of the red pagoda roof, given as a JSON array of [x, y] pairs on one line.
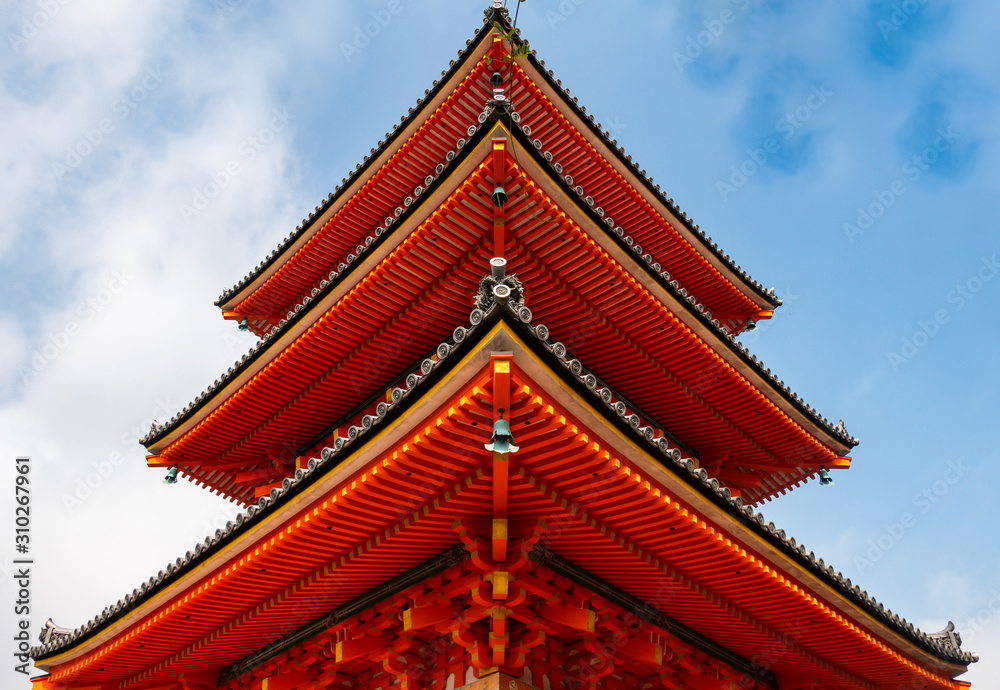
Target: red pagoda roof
[[384, 543], [632, 513], [381, 188], [616, 311]]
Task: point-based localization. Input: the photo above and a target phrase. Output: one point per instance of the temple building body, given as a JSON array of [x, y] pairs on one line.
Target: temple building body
[[498, 432]]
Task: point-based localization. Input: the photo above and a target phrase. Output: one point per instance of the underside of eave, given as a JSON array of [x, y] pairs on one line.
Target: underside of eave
[[322, 478], [311, 308], [639, 180], [698, 318], [636, 181], [590, 222], [495, 339], [357, 178]]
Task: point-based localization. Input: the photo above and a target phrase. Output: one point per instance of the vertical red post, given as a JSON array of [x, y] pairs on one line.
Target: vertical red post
[[499, 175], [496, 50], [500, 362]]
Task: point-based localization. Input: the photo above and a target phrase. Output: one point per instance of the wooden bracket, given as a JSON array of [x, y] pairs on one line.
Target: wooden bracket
[[289, 681]]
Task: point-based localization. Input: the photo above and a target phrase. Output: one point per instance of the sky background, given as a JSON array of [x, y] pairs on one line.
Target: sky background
[[874, 215]]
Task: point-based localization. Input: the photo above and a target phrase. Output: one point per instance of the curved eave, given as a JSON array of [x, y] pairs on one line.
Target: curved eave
[[609, 149], [765, 538], [692, 315], [534, 357], [402, 132], [322, 478], [313, 307], [576, 154], [687, 308], [757, 302]]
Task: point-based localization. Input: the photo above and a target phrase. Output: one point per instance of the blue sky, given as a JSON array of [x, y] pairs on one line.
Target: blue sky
[[844, 152]]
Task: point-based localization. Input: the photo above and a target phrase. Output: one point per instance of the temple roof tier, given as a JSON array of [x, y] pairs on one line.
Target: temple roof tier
[[603, 296], [381, 188], [634, 512]]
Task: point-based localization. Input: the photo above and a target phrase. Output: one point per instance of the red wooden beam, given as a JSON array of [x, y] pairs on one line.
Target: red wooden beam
[[499, 174], [568, 616], [289, 681], [426, 616], [500, 534], [352, 649], [646, 652], [501, 365]]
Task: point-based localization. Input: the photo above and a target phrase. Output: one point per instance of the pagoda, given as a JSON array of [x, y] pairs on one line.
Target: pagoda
[[498, 432]]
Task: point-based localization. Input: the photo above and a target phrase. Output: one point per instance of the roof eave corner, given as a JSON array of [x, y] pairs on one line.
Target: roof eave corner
[[765, 298]]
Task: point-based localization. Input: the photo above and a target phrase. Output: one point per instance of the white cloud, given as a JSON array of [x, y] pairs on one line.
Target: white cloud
[[118, 351], [13, 349]]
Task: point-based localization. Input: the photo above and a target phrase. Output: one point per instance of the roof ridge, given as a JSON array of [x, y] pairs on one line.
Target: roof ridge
[[619, 151], [937, 642], [334, 278], [359, 168], [672, 286], [398, 395]]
